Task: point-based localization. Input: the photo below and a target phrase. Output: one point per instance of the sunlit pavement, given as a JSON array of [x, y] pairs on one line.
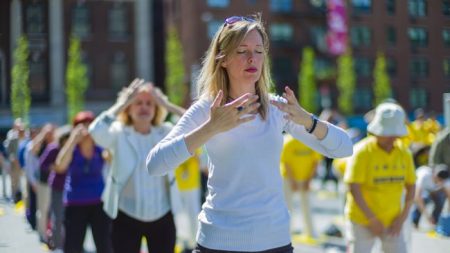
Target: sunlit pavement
[[327, 206]]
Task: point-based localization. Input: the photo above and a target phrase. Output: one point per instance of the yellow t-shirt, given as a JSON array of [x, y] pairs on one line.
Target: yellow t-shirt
[[382, 177], [187, 174], [300, 158]]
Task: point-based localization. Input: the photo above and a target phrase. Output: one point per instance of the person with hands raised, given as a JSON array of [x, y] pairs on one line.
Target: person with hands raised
[[82, 160], [241, 132], [139, 204]]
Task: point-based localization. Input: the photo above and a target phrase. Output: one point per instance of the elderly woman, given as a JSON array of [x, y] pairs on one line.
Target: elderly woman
[[138, 203]]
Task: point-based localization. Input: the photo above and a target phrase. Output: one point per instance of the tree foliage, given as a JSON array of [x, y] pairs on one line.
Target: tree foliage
[[76, 79], [306, 82], [176, 89], [382, 84], [346, 82], [20, 90]]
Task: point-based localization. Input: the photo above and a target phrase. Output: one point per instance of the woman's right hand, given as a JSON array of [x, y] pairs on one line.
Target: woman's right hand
[[78, 133], [228, 116], [127, 94]]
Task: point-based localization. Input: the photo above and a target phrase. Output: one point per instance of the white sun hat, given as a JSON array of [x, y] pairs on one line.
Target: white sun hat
[[389, 120]]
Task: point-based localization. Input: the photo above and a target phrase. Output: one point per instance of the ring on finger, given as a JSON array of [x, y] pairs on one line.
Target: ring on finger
[[240, 108]]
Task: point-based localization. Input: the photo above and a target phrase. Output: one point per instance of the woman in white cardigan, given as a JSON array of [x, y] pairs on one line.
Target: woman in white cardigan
[[138, 203], [241, 125]]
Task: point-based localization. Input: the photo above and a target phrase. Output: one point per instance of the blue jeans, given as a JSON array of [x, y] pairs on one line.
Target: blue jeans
[[438, 199]]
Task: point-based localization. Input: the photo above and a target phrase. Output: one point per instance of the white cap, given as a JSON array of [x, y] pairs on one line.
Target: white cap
[[389, 120]]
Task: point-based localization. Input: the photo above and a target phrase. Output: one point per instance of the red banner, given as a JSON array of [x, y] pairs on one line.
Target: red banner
[[337, 27]]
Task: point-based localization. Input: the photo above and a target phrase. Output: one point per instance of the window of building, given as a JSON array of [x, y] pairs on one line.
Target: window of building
[[360, 36], [418, 98], [81, 20], [35, 23], [362, 99], [391, 66], [446, 67], [363, 66], [446, 7], [418, 36], [281, 32], [390, 7], [391, 35], [213, 26], [282, 69], [323, 68], [446, 36], [118, 21], [218, 3], [119, 71], [417, 8], [38, 76], [362, 6], [319, 36], [281, 5], [419, 68]]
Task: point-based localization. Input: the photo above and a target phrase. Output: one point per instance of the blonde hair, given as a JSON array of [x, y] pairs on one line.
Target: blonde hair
[[213, 77], [158, 118]]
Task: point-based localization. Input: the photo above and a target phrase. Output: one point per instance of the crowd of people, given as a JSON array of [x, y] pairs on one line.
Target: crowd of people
[[126, 172]]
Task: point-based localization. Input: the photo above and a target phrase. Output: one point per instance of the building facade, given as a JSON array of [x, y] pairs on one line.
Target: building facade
[[414, 36], [120, 40]]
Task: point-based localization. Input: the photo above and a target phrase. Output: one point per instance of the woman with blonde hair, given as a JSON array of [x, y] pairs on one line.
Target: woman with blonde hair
[[138, 203], [241, 125]]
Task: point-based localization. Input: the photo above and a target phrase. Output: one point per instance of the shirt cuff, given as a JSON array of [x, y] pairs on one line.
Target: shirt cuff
[[331, 140]]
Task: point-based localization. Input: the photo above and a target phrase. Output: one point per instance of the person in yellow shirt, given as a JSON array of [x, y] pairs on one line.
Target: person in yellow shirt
[[187, 176], [298, 166], [377, 175]]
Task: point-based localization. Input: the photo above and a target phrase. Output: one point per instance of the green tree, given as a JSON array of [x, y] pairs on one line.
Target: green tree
[[346, 82], [382, 85], [76, 79], [176, 89], [307, 82], [20, 90]]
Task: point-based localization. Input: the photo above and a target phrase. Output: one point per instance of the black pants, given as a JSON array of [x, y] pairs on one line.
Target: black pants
[[76, 220], [284, 249], [127, 233], [31, 210]]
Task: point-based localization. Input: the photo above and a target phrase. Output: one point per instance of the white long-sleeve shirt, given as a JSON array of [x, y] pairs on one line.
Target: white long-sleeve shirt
[[245, 208]]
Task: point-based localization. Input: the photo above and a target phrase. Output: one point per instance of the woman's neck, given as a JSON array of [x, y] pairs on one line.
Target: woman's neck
[[236, 92], [142, 128], [87, 147]]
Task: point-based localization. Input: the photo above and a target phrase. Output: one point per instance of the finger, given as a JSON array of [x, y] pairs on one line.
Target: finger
[[289, 95], [240, 100], [133, 83], [250, 101], [246, 119], [249, 109], [218, 99]]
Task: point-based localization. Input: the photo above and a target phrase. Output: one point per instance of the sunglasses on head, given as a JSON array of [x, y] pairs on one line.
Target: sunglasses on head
[[234, 19]]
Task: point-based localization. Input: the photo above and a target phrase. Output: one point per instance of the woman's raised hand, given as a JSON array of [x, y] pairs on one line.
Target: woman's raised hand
[[127, 94], [293, 110], [228, 116]]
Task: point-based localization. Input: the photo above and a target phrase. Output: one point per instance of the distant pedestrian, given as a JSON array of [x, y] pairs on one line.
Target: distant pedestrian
[[241, 125], [138, 203], [56, 183], [432, 186], [298, 167], [84, 184], [380, 170]]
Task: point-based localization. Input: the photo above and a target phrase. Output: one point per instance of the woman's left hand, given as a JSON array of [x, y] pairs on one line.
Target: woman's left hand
[[294, 112], [160, 98]]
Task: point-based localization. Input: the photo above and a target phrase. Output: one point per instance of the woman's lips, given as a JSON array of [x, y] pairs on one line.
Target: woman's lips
[[251, 70]]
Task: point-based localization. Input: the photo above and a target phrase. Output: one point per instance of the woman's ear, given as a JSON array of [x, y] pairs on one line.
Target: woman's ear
[[224, 63]]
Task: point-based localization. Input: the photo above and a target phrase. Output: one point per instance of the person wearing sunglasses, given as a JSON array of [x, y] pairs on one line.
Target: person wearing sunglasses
[[240, 126]]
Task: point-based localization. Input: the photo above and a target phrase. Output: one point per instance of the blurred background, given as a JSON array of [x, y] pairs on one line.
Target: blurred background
[[346, 57]]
